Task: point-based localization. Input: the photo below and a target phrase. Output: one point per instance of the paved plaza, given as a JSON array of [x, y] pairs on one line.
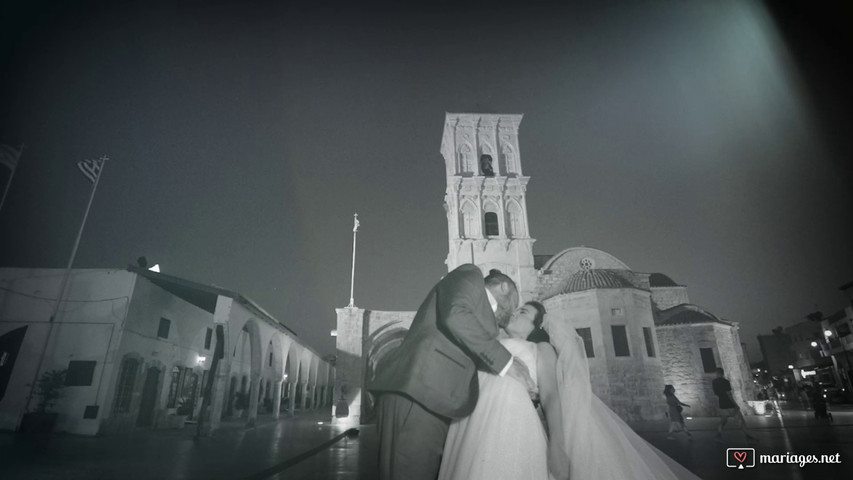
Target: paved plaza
[[236, 452]]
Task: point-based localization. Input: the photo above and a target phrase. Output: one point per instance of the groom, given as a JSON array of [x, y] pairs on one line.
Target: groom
[[432, 377]]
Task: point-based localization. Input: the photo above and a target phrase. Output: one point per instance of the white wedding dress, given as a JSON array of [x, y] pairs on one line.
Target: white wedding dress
[[503, 438]]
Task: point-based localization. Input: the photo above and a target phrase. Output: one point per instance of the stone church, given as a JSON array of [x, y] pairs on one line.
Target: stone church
[[639, 329]]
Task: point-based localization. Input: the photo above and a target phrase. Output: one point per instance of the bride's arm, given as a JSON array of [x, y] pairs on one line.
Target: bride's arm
[[546, 367]]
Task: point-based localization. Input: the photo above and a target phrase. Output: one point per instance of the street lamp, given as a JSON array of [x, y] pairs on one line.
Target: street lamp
[[827, 333], [814, 344]]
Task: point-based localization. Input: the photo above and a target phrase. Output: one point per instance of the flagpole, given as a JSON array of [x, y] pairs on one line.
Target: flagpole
[[11, 175], [352, 277], [64, 285]]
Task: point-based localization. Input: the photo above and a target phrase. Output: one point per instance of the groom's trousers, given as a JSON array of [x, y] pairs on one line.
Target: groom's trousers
[[411, 439]]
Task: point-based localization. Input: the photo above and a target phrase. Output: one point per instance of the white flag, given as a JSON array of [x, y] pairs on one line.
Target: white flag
[[91, 168], [355, 223], [9, 156]]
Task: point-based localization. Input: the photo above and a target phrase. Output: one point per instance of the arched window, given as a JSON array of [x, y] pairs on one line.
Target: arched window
[[466, 158], [124, 389], [509, 158], [515, 222], [492, 227], [469, 221]]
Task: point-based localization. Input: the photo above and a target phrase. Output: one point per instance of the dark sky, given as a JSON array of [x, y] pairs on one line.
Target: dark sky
[[706, 141]]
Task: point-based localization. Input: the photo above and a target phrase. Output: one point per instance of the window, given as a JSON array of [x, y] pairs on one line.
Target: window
[[509, 158], [616, 312], [466, 158], [190, 386], [650, 342], [586, 335], [163, 329], [270, 362], [708, 362], [620, 341], [469, 220], [124, 389], [492, 229], [79, 373], [207, 337], [174, 387]]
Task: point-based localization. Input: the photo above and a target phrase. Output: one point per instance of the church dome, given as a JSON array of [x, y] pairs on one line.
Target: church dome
[[661, 280], [593, 279]]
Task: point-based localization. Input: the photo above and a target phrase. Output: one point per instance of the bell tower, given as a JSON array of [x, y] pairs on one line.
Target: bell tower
[[485, 197]]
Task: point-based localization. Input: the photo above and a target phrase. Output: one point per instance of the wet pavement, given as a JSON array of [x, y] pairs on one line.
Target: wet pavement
[[236, 452], [233, 452]]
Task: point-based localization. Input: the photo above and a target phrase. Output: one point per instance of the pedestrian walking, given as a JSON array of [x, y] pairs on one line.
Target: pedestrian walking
[[728, 407], [676, 420]]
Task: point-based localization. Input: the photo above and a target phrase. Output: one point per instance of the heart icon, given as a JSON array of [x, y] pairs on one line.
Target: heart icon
[[740, 456]]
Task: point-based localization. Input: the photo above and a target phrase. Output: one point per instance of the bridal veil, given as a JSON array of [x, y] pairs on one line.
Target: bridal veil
[[599, 444]]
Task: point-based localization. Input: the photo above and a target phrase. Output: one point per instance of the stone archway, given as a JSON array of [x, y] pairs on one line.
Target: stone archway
[[380, 343], [293, 369], [279, 347], [246, 365], [304, 378]]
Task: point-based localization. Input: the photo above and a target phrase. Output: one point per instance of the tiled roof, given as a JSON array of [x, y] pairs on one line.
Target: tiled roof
[[594, 279], [201, 295], [661, 280], [686, 314]]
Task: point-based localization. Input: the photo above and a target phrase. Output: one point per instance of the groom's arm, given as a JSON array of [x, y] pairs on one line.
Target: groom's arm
[[464, 311]]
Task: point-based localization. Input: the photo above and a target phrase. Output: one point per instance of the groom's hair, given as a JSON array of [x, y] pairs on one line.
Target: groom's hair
[[496, 277]]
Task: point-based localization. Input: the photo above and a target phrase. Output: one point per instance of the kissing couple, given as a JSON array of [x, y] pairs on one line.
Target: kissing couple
[[471, 395]]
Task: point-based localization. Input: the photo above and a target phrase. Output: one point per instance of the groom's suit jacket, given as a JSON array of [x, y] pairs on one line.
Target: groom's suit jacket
[[453, 333]]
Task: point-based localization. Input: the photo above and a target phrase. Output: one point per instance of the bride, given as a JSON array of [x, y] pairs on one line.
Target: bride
[[581, 437]]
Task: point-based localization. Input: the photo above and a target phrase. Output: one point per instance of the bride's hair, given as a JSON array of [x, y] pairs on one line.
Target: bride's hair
[[538, 335]]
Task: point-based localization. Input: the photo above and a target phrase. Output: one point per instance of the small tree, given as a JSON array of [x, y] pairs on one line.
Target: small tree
[[49, 389]]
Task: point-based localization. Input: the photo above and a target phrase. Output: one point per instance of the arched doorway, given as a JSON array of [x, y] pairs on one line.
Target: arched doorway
[[149, 398], [382, 342]]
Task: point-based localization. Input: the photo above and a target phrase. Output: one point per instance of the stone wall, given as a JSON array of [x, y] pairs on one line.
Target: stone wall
[[668, 297], [734, 362], [360, 332], [683, 367], [632, 385]]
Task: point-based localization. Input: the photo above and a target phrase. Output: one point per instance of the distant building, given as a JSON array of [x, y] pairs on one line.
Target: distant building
[[777, 352], [640, 329], [807, 350], [841, 342], [138, 348]]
